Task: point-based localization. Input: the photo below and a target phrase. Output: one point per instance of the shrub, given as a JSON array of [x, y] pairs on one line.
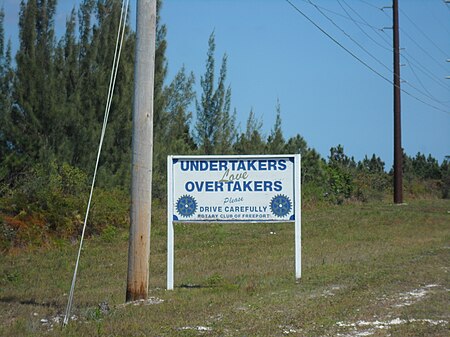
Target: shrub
[[51, 201]]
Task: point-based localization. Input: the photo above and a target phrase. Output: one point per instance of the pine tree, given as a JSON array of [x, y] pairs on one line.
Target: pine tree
[[251, 141], [275, 141], [34, 126], [6, 76], [215, 125], [311, 162], [68, 68], [114, 169], [160, 115], [87, 129], [179, 95], [340, 174], [373, 165]]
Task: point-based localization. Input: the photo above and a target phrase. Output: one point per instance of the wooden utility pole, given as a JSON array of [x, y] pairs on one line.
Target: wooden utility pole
[[141, 175], [398, 152]]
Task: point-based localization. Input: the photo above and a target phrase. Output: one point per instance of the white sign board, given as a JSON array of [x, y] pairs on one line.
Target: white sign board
[[264, 188]]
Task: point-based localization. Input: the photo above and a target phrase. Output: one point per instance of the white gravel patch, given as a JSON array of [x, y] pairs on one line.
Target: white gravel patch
[[359, 328], [199, 328], [413, 296]]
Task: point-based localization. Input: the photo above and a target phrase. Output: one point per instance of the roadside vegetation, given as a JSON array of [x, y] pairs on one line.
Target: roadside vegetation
[[368, 269]]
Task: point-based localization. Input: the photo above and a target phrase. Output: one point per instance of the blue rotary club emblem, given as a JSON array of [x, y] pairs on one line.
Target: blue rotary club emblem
[[186, 206], [280, 205]]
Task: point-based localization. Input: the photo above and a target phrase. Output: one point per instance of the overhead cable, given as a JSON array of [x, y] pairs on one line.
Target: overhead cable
[[423, 33], [359, 59]]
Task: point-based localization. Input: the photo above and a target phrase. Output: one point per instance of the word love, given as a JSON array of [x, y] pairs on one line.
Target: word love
[[233, 177]]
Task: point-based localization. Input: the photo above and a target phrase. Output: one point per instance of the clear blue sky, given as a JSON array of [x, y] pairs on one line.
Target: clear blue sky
[[326, 95]]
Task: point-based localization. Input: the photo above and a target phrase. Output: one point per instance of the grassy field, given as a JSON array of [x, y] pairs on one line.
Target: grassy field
[[368, 270]]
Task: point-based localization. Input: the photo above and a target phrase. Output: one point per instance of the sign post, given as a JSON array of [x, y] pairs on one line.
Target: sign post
[[236, 189]]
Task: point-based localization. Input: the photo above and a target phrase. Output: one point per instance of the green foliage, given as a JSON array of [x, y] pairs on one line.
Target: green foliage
[[339, 174], [174, 135], [445, 171], [52, 193], [425, 167], [340, 184], [214, 280], [313, 194], [7, 236], [371, 186], [110, 208], [215, 127], [275, 141], [51, 201], [371, 181], [251, 141], [109, 233]]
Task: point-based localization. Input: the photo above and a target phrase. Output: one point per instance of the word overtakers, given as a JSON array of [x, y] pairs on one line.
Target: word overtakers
[[234, 189]]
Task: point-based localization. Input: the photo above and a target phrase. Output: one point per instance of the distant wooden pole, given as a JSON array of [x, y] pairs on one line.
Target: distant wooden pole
[[141, 175], [398, 151]]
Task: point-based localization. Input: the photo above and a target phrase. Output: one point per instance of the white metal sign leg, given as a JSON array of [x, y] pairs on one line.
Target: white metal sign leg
[[170, 229], [298, 219]]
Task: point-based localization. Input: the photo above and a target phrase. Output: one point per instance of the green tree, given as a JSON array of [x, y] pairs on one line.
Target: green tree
[[372, 165], [312, 170], [95, 58], [6, 77], [67, 95], [215, 125], [179, 95], [276, 142], [175, 133], [160, 114], [171, 118], [35, 128], [370, 180], [340, 171], [445, 173], [251, 141]]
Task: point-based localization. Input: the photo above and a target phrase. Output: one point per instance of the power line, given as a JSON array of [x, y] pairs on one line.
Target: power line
[[375, 58], [413, 60], [362, 30], [405, 51], [369, 4], [421, 83], [349, 36], [337, 42], [359, 59], [422, 32], [423, 50], [339, 14], [425, 71], [411, 38], [426, 95]]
